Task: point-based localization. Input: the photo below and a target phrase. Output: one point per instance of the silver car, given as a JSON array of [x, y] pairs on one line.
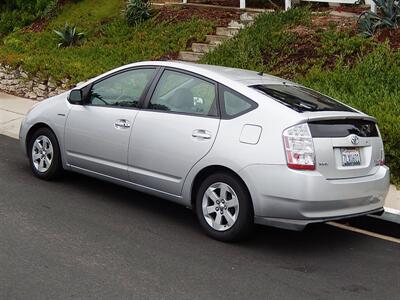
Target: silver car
[[238, 147]]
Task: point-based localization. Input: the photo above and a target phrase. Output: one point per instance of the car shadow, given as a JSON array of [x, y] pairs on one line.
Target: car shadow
[[314, 239]]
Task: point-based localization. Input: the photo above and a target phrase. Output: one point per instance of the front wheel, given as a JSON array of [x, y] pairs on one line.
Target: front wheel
[[224, 207], [44, 154]]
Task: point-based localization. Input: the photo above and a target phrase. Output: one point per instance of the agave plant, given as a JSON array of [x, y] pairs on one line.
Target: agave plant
[[137, 11], [68, 36], [388, 16]]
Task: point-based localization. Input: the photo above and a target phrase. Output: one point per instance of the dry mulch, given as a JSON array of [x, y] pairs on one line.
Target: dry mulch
[[37, 26], [326, 21], [357, 9], [180, 14], [168, 56], [393, 35], [273, 4]]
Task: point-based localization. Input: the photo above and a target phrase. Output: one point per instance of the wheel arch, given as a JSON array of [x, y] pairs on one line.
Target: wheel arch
[[205, 172], [32, 130]]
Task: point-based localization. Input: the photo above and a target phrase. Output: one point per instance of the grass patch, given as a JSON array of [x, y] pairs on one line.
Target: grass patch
[[109, 41], [333, 60], [247, 49]]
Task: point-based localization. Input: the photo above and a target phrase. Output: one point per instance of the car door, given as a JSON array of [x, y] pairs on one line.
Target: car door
[[97, 133], [175, 130]]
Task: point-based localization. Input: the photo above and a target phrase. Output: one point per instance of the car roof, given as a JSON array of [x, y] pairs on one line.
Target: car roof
[[245, 77]]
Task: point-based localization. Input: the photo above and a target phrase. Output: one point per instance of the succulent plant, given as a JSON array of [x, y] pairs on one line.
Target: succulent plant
[[137, 11], [68, 36], [388, 16]]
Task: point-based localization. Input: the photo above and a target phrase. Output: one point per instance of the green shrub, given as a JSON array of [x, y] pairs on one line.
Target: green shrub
[[137, 11], [50, 11], [15, 14], [68, 36]]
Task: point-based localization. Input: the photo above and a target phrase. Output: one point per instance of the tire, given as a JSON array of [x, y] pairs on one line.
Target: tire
[[51, 168], [224, 218]]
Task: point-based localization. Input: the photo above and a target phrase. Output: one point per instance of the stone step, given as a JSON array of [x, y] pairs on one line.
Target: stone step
[[248, 16], [202, 47], [190, 56], [165, 1], [236, 24], [227, 31], [216, 39]]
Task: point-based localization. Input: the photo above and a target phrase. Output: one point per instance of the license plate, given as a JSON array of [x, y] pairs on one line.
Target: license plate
[[350, 157]]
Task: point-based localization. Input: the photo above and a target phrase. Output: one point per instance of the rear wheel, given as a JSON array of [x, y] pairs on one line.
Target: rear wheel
[[224, 207], [44, 154]]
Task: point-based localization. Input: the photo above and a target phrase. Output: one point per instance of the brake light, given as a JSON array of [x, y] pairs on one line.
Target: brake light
[[382, 160], [299, 147]]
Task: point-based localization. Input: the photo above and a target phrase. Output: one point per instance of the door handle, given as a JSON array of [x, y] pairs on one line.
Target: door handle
[[122, 124], [201, 134]]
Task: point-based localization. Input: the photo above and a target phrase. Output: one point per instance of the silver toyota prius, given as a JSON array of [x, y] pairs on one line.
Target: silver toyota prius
[[238, 147]]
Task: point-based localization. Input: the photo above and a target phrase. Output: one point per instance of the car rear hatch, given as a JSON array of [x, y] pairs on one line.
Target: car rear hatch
[[346, 144]]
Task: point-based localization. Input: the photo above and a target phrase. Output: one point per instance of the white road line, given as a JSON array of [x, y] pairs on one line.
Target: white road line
[[366, 232]]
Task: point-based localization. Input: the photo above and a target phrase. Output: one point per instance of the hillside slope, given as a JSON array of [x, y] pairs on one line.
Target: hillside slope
[[109, 42]]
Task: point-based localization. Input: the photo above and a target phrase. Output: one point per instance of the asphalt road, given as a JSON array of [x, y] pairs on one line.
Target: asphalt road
[[83, 238]]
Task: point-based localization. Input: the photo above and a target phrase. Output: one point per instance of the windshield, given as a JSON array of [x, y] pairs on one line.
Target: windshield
[[300, 98]]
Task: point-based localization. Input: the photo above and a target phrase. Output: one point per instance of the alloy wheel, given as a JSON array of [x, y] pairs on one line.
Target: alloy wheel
[[42, 154], [220, 206]]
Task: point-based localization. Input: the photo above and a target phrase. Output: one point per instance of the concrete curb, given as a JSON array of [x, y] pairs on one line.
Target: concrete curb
[[388, 217]]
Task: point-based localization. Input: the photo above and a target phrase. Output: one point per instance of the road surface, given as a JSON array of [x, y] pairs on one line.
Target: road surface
[[83, 238]]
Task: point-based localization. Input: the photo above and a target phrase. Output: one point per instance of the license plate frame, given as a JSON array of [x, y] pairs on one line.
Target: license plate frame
[[351, 157]]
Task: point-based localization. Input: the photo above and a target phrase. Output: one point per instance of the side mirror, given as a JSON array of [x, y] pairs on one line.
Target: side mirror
[[76, 97]]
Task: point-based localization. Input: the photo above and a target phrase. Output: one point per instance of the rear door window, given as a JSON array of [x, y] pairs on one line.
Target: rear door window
[[183, 93], [300, 98]]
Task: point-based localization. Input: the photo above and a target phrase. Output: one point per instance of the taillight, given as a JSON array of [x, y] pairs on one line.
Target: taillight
[[382, 160], [299, 147]]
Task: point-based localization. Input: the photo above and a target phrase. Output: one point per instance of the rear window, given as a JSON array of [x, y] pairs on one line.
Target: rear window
[[343, 128], [300, 99]]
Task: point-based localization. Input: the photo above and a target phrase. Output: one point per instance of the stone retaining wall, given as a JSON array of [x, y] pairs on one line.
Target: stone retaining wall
[[19, 83]]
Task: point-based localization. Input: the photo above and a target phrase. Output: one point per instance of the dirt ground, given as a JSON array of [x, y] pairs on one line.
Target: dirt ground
[[178, 14], [392, 35], [269, 4]]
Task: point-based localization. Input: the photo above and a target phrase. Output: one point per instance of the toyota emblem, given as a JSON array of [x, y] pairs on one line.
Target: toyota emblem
[[355, 140]]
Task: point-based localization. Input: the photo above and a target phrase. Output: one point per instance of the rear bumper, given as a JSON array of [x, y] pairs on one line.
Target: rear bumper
[[292, 199], [301, 224]]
